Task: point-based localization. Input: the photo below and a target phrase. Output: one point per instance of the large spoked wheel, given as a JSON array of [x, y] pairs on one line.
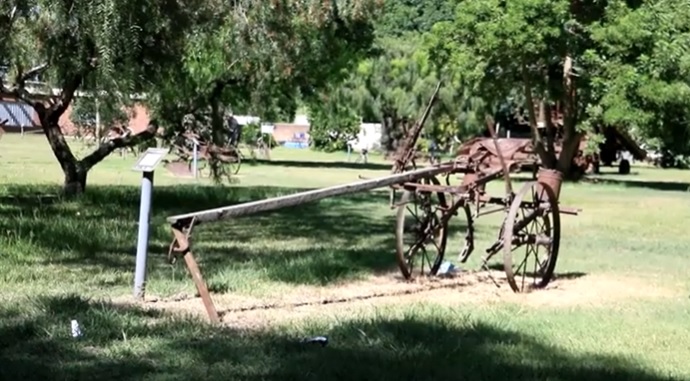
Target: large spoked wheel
[[421, 231], [531, 237]]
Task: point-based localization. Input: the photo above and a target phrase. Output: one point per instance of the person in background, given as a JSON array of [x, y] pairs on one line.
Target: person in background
[[433, 151], [234, 129]]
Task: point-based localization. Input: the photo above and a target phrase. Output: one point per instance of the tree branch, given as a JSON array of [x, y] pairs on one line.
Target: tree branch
[[69, 88], [547, 159], [550, 128], [571, 138], [127, 139], [18, 89], [530, 107], [22, 77]]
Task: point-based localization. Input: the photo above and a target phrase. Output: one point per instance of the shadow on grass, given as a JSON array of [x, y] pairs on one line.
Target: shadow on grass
[[570, 275], [125, 343], [654, 185], [315, 243], [320, 265], [325, 164]]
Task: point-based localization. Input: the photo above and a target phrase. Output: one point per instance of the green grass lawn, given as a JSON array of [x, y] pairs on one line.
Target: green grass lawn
[[623, 316]]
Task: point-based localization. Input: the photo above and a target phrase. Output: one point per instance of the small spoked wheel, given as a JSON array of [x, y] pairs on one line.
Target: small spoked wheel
[[234, 164], [231, 162], [201, 166], [531, 237], [421, 231]]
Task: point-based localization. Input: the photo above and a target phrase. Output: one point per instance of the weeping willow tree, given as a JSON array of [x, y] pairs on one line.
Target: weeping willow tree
[[256, 56], [113, 47], [262, 57]]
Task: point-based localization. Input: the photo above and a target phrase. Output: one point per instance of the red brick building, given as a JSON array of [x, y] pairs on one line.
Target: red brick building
[[21, 117]]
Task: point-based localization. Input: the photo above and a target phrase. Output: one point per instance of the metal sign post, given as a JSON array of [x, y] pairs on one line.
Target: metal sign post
[[146, 164]]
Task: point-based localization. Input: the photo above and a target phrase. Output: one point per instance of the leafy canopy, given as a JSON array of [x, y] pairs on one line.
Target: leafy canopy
[[261, 57], [629, 59]]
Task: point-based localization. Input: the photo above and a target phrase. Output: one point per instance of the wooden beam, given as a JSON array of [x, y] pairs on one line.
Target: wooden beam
[[254, 207]]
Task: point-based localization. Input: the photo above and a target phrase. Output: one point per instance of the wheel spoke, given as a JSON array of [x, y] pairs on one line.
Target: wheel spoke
[[421, 234], [528, 224]]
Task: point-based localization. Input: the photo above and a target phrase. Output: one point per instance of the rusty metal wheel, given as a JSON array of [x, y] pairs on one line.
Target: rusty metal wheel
[[468, 247], [421, 231], [235, 164], [201, 165], [534, 223]]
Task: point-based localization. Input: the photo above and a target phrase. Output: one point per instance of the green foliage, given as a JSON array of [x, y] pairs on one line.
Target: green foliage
[[252, 132], [411, 17], [263, 66], [631, 60], [642, 68], [109, 47], [117, 46], [492, 47], [260, 58], [393, 88], [110, 114], [332, 121]]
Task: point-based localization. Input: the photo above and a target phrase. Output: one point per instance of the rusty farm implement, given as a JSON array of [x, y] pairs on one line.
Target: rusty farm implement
[[529, 236]]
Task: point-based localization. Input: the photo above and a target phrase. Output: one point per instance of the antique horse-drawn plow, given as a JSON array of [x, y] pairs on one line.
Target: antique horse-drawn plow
[[532, 214], [228, 157]]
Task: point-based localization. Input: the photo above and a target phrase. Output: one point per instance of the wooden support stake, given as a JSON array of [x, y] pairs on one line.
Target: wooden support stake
[[194, 270], [182, 237]]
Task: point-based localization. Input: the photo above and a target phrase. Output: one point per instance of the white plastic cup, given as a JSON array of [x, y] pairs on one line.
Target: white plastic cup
[[76, 331]]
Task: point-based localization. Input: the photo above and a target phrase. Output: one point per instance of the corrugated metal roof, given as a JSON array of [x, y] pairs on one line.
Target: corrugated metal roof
[[17, 114]]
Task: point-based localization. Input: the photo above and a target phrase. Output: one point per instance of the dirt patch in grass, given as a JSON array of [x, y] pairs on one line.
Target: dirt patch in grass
[[594, 290], [388, 290]]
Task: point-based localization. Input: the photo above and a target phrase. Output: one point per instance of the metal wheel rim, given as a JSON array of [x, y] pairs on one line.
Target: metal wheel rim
[[404, 256], [547, 267], [468, 247]]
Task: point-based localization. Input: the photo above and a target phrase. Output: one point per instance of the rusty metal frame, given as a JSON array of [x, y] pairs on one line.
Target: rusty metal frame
[[480, 161], [183, 224]]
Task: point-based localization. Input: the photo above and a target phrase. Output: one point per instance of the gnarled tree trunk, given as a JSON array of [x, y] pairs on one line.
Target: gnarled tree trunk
[[75, 170], [75, 180], [571, 138]]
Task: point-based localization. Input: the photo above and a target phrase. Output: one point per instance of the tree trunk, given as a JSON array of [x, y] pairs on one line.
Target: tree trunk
[[75, 172], [219, 133], [571, 138], [75, 179], [388, 132], [547, 157]]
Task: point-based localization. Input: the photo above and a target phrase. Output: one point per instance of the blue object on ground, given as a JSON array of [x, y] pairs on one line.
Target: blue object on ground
[[446, 268], [299, 145]]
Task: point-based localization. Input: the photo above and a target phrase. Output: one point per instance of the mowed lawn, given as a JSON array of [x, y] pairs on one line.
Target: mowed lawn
[[61, 260]]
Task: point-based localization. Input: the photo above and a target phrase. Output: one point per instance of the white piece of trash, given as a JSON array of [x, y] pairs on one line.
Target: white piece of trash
[[321, 340], [76, 330], [447, 269]]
